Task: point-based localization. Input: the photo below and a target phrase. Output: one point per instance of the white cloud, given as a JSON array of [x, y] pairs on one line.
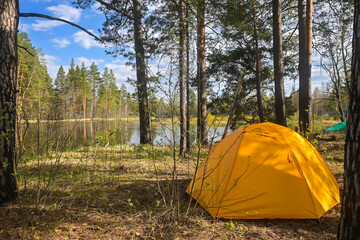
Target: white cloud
[[53, 66], [121, 71], [60, 43], [61, 11], [85, 40], [95, 8], [50, 59], [24, 27], [65, 11], [87, 61], [44, 25]]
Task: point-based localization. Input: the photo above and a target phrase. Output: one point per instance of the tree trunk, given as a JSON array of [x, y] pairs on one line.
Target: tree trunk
[[346, 72], [338, 79], [93, 102], [182, 79], [106, 101], [305, 37], [84, 105], [188, 143], [233, 107], [9, 19], [144, 115], [201, 65], [257, 70], [349, 227], [278, 65]]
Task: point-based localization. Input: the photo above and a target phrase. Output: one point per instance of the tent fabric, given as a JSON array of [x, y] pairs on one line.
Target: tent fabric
[[264, 171], [341, 127]]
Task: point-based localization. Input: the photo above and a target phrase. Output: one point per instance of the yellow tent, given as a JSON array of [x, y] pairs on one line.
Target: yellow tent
[[264, 171]]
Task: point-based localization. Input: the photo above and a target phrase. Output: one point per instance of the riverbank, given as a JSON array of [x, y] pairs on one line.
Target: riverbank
[[211, 120], [127, 192]]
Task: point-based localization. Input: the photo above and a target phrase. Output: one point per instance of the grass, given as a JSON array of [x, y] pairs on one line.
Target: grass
[[117, 193]]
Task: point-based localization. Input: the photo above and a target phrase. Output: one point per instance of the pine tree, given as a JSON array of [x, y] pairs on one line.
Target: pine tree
[[95, 79], [84, 87], [60, 88]]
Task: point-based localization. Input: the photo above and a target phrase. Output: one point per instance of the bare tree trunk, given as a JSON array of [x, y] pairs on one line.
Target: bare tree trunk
[[182, 79], [188, 143], [110, 101], [106, 101], [305, 37], [308, 37], [338, 85], [349, 227], [84, 105], [257, 70], [93, 101], [233, 107], [201, 65], [278, 65], [144, 114], [343, 54], [72, 101], [9, 20]]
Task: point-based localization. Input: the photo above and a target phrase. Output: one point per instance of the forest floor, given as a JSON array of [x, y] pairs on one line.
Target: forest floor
[[124, 192]]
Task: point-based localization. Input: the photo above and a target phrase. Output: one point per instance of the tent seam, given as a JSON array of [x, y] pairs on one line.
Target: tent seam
[[300, 170]]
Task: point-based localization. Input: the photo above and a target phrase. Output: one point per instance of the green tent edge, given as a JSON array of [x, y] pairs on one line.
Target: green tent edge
[[341, 127]]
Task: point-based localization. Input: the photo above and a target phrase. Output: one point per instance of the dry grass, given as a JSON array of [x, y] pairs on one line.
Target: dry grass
[[113, 193]]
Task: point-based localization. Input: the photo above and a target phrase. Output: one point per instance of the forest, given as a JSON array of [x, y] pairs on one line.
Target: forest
[[84, 155]]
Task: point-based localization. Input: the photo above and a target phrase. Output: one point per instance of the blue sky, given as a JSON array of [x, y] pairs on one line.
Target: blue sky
[[61, 42]]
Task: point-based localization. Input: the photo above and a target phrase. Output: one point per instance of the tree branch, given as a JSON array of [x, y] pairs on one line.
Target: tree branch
[[26, 50], [61, 20], [114, 9]]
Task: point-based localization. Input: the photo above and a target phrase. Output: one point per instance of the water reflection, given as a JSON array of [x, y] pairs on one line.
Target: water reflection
[[64, 135]]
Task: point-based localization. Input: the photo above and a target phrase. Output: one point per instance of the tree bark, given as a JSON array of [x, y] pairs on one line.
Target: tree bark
[[257, 70], [188, 143], [278, 65], [9, 20], [349, 227], [305, 37], [201, 65], [182, 79], [144, 114]]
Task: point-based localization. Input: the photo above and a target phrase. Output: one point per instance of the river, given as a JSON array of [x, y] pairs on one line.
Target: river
[[72, 134]]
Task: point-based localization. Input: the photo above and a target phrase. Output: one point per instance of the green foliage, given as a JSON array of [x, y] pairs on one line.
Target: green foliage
[[34, 83]]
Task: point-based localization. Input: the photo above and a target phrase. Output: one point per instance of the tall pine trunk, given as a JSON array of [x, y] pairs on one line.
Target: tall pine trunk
[[257, 65], [144, 114], [188, 143], [278, 65], [349, 227], [182, 78], [305, 37], [201, 77], [9, 20], [93, 102], [84, 104]]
